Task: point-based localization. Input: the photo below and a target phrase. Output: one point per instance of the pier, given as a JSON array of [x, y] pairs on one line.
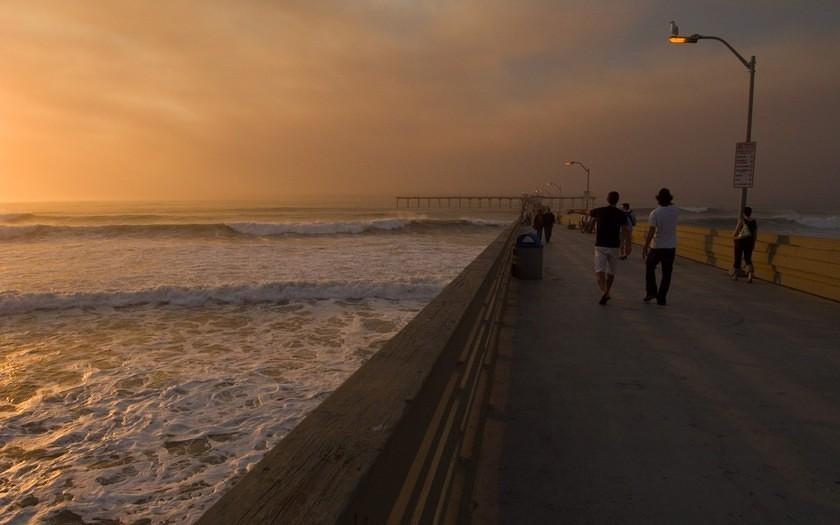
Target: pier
[[723, 407], [493, 202], [508, 401]]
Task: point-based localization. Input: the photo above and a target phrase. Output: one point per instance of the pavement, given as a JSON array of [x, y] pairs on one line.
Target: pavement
[[722, 407]]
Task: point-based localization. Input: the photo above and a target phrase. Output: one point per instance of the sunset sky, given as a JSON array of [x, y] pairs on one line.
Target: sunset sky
[[257, 99]]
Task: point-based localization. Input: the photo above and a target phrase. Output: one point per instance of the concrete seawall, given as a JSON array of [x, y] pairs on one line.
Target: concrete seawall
[[395, 443], [808, 264]]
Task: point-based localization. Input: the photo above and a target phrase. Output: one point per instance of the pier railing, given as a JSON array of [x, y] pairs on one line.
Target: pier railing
[[396, 442], [808, 264]]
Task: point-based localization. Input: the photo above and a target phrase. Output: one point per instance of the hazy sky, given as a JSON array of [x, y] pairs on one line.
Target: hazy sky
[[270, 99]]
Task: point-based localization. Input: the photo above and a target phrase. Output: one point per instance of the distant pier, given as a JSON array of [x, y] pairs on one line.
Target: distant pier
[[490, 201]]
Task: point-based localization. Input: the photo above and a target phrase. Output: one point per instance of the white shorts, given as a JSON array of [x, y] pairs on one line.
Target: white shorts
[[606, 260]]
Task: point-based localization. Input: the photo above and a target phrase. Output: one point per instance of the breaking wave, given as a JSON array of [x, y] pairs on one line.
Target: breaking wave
[[251, 229], [274, 292], [16, 217], [820, 222], [781, 223]]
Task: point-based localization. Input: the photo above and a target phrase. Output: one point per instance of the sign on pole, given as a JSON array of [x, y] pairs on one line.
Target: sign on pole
[[744, 165]]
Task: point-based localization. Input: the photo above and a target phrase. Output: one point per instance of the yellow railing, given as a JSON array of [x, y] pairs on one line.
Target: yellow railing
[[808, 264]]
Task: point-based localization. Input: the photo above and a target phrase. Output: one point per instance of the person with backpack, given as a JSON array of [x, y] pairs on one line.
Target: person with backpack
[[744, 235]]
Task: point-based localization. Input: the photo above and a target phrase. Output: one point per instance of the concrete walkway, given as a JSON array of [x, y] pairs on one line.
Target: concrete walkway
[[723, 407]]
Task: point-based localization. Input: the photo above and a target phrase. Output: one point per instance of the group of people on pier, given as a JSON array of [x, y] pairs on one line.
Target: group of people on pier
[[543, 222], [613, 228], [613, 242]]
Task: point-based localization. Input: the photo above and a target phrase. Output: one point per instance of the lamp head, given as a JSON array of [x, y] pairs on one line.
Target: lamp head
[[679, 39], [570, 162]]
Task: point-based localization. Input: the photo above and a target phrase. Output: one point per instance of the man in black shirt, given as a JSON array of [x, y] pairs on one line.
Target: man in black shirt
[[611, 224]]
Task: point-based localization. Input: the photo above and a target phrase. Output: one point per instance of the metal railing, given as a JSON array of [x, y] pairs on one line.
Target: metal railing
[[439, 482]]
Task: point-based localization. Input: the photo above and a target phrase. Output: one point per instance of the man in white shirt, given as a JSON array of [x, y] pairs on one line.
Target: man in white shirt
[[660, 247]]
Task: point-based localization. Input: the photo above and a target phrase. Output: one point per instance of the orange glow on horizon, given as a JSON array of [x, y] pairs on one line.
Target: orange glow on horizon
[[254, 100]]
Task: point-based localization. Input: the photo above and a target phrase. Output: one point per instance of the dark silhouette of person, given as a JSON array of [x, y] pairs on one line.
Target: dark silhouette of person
[[660, 247], [548, 223], [744, 235], [538, 223]]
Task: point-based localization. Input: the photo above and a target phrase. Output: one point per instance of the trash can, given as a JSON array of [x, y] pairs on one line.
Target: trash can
[[527, 257]]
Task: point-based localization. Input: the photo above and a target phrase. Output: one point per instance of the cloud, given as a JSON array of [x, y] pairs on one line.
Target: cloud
[[257, 98]]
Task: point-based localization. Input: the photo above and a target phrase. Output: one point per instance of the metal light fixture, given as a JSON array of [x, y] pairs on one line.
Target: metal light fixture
[[676, 38], [570, 163]]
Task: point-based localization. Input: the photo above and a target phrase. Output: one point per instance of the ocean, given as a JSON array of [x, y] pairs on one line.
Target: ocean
[[815, 223], [151, 353]]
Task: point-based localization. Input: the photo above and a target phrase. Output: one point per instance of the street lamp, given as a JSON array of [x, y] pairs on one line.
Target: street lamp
[[559, 194], [572, 163], [676, 38]]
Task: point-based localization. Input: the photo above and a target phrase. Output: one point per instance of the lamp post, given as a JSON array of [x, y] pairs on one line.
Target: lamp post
[[676, 38], [559, 193], [586, 193]]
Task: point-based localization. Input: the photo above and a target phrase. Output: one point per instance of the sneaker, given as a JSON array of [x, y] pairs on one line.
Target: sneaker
[[649, 298], [604, 299], [661, 302], [733, 274], [749, 277]]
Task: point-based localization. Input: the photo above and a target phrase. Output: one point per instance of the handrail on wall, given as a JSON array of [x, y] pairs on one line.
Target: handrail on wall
[[397, 441]]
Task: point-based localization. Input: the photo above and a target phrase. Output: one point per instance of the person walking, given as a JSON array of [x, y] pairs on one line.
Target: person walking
[[627, 245], [745, 234], [611, 226], [548, 223], [660, 247], [538, 223]]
